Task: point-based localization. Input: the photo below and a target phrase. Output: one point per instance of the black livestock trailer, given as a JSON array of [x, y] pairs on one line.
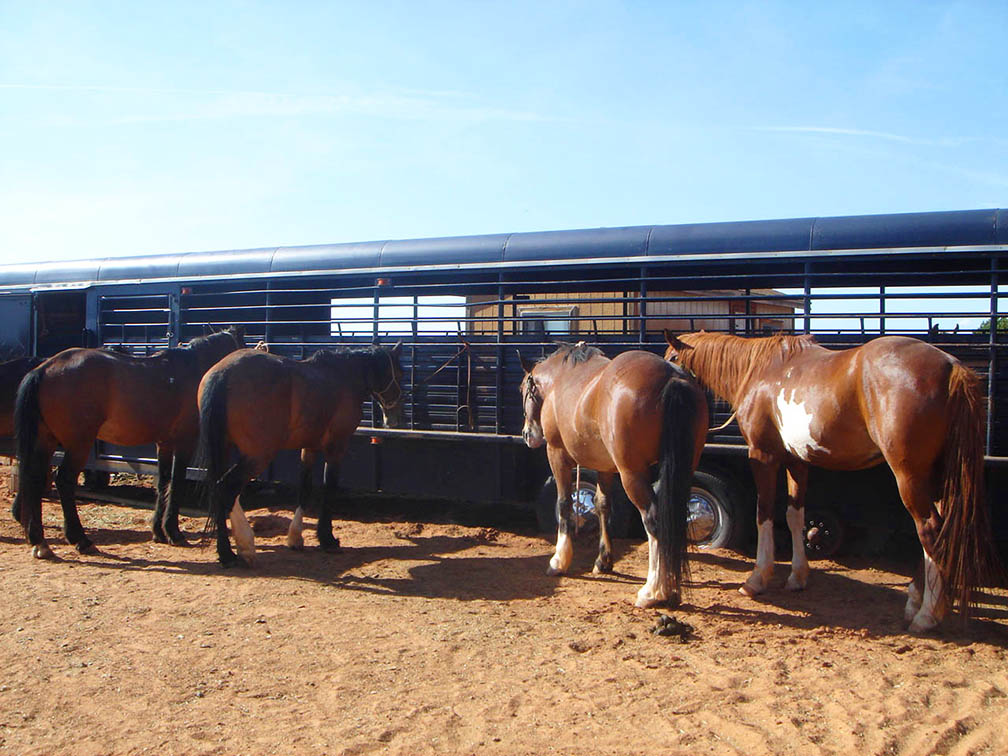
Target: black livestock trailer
[[465, 306]]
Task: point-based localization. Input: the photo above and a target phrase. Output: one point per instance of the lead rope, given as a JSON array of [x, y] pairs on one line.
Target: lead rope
[[577, 494]]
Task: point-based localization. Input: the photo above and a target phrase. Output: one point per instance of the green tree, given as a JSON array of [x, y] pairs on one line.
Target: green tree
[[1002, 325]]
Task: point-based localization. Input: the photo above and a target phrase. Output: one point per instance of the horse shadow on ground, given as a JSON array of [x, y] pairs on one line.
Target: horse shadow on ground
[[836, 599], [431, 569]]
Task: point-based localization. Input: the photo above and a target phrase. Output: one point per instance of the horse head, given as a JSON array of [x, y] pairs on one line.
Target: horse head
[[676, 347], [386, 385], [532, 400]]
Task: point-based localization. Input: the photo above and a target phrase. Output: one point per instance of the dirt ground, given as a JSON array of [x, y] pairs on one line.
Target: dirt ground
[[439, 632]]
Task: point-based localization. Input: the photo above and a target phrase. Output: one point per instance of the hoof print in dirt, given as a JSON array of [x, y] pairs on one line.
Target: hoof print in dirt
[[669, 626]]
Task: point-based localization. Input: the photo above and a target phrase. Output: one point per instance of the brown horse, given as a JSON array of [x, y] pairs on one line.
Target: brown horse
[[895, 399], [620, 416], [259, 403], [79, 395]]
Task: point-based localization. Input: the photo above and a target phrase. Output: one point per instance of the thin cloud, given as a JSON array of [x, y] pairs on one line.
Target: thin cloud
[[224, 103], [866, 134]]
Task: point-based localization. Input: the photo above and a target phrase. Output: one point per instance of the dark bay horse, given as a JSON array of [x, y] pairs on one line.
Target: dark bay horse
[[259, 403], [620, 416], [895, 399], [79, 395]]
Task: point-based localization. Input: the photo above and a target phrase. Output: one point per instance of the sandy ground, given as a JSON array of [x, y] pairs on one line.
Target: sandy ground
[[435, 632]]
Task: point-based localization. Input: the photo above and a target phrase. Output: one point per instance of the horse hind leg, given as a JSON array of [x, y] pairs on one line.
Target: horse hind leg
[[225, 504], [656, 589], [917, 494], [603, 501], [33, 479], [176, 492], [330, 491], [66, 486], [295, 540], [164, 460], [797, 476], [765, 475]]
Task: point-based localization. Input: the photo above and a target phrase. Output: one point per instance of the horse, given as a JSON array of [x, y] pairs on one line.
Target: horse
[[11, 374], [620, 416], [894, 399], [258, 403], [80, 395]]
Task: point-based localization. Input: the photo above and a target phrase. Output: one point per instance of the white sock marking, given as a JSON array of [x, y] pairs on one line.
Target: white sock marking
[[294, 538], [799, 559], [243, 535], [562, 556]]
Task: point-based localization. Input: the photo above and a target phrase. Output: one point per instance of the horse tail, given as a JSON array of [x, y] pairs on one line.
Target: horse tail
[[212, 452], [27, 415], [675, 477], [965, 553]]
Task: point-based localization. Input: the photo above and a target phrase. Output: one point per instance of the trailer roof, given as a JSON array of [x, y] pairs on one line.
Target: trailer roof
[[933, 231]]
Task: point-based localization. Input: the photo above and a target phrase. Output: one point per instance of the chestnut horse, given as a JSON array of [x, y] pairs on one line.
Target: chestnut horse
[[895, 399], [79, 395], [620, 416], [260, 403]]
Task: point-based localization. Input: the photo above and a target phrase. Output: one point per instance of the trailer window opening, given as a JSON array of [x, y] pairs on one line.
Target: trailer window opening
[[432, 315]]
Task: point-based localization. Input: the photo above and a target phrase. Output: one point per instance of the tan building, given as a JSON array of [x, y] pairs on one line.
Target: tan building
[[588, 313]]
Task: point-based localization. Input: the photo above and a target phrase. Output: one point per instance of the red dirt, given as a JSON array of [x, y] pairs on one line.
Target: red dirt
[[429, 636]]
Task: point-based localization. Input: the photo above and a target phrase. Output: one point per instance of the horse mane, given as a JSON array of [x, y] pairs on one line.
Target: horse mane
[[577, 353], [342, 354], [724, 363]]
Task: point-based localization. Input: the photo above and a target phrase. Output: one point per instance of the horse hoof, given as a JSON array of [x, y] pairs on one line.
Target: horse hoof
[[177, 539], [554, 571], [158, 537], [602, 567], [332, 547], [648, 602], [747, 590], [794, 584], [295, 544], [42, 551], [84, 546], [920, 627]]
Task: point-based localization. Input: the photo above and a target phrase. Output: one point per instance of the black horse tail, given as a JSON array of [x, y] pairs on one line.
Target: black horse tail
[[212, 453], [675, 477], [31, 473], [965, 556]]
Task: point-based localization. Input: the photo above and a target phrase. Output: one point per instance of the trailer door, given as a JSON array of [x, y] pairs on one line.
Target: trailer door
[[15, 325]]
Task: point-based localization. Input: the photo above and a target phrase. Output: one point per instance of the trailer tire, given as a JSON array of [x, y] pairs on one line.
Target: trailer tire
[[717, 511], [622, 513]]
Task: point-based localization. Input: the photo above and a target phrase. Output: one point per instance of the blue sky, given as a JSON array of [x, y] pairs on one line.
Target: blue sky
[[132, 128]]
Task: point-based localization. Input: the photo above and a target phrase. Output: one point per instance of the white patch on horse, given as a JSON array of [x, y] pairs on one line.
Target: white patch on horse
[[795, 425]]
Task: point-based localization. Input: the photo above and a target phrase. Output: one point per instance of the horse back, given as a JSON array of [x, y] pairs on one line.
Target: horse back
[[845, 409], [119, 398]]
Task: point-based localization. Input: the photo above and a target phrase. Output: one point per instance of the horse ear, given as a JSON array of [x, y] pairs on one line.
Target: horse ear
[[673, 340], [526, 365]]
